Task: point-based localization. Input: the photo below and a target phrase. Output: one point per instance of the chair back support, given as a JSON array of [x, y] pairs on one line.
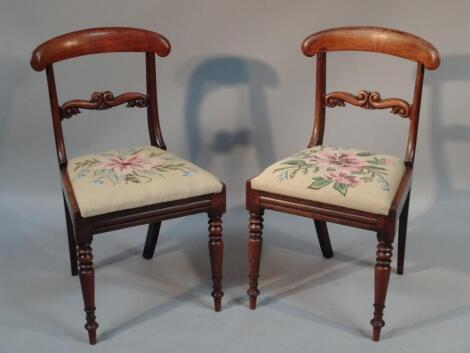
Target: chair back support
[[370, 39], [95, 41]]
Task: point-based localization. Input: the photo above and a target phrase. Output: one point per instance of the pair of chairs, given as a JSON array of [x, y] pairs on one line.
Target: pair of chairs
[[147, 184]]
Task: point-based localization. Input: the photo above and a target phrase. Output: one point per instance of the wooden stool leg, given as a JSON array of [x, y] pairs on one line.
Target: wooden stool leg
[[324, 239], [87, 281], [382, 277], [151, 240], [402, 226], [255, 243], [71, 240], [216, 252]]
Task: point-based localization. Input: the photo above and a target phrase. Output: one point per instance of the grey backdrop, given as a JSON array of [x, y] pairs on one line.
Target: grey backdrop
[[235, 95]]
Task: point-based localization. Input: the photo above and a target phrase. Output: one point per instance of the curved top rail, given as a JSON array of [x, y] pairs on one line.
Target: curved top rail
[[98, 40], [373, 39]]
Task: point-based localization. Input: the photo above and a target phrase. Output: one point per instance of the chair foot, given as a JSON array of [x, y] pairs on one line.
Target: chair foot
[[255, 243], [382, 278], [253, 296], [92, 332], [87, 281], [217, 304], [376, 334], [216, 252]]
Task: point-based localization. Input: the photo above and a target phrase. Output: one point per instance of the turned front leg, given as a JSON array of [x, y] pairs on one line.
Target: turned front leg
[[255, 243], [216, 252], [87, 281], [382, 277]]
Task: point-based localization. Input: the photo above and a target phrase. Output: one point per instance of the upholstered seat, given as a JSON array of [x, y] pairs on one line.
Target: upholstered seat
[[336, 175], [134, 177]]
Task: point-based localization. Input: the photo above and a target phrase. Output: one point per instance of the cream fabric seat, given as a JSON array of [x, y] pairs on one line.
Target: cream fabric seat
[[134, 177], [337, 176]]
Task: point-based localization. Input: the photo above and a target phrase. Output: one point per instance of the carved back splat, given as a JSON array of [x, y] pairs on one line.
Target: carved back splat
[[103, 101], [368, 100], [95, 41], [370, 39]]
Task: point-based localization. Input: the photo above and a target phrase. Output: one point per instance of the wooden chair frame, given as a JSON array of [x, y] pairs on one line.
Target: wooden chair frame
[[368, 39], [81, 230]]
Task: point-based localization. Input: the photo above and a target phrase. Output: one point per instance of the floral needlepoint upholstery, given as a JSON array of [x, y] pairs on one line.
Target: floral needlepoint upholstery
[[134, 177], [337, 176]]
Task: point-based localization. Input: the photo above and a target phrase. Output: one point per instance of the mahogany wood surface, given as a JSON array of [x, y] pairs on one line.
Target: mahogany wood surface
[[81, 230], [368, 39], [368, 100], [98, 40], [102, 101], [373, 39]]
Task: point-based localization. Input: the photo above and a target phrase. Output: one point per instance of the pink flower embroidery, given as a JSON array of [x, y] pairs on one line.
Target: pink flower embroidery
[[127, 164], [347, 162], [343, 178]]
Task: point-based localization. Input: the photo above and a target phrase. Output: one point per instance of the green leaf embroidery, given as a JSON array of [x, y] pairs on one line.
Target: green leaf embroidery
[[101, 173], [319, 183], [137, 151], [377, 161], [294, 162], [86, 164], [308, 162], [342, 188], [373, 167], [364, 154], [112, 176]]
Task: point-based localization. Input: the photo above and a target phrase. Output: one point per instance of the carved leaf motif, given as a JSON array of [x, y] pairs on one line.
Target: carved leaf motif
[[368, 100], [102, 101]]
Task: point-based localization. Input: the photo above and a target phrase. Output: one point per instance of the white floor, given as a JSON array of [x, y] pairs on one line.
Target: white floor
[[307, 303]]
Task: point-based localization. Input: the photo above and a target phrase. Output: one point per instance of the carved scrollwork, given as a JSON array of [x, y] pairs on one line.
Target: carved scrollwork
[[368, 100], [102, 101]]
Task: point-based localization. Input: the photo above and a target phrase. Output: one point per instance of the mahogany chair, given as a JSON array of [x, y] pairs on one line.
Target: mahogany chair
[[341, 185], [126, 187]]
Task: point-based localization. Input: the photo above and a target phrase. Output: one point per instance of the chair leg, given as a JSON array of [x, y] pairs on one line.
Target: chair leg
[[382, 277], [324, 239], [255, 244], [402, 227], [87, 281], [216, 253], [151, 240], [71, 241]]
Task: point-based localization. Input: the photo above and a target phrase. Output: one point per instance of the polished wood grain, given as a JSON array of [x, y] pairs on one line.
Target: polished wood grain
[[80, 230], [102, 101], [216, 251], [98, 40], [319, 119], [382, 279], [373, 39], [368, 100], [255, 244], [71, 241], [369, 39], [87, 280]]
